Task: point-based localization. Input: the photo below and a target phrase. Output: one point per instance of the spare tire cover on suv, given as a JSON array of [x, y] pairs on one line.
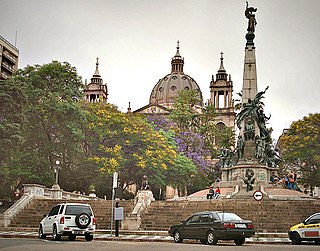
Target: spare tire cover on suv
[[83, 220]]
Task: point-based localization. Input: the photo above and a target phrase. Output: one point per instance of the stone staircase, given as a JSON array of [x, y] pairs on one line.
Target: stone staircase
[[31, 215], [268, 216]]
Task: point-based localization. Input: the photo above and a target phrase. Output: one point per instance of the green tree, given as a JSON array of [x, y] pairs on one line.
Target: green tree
[[52, 126], [302, 145], [12, 101], [184, 112]]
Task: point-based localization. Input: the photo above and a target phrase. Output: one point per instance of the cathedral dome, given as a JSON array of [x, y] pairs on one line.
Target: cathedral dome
[[167, 89]]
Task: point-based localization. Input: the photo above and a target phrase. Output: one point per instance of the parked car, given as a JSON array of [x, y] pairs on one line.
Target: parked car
[[209, 227], [70, 219], [308, 230]]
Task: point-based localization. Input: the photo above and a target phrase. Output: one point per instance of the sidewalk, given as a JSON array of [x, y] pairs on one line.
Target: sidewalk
[[148, 236]]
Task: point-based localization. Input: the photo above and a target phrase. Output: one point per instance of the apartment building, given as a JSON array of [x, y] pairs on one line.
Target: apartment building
[[9, 56]]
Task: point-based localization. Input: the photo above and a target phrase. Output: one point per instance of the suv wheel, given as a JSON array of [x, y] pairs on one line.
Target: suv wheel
[[88, 237], [55, 234], [83, 220], [40, 233], [72, 237]]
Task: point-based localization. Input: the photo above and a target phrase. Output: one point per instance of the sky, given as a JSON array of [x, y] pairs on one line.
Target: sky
[[136, 39]]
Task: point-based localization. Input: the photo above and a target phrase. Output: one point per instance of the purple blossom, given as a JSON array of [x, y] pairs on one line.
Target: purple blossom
[[160, 122], [192, 145]]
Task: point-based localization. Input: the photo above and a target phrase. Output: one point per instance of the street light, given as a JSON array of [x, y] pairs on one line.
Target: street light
[[56, 170]]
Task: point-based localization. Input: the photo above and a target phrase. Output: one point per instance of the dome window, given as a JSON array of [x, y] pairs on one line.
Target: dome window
[[174, 77], [186, 88], [173, 88], [160, 89]]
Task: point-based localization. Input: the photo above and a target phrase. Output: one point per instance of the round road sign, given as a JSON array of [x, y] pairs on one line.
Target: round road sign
[[258, 195]]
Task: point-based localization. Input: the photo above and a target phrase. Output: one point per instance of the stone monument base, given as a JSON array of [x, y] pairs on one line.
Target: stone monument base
[[235, 176]]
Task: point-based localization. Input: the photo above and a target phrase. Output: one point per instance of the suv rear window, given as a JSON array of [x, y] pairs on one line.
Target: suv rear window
[[76, 209]]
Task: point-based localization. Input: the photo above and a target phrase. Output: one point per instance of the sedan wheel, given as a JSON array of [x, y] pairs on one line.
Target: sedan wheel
[[295, 238], [41, 234], [177, 237], [211, 238], [239, 242], [88, 237], [203, 241], [55, 234]]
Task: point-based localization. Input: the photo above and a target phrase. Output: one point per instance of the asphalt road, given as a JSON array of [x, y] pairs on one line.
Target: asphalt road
[[96, 245]]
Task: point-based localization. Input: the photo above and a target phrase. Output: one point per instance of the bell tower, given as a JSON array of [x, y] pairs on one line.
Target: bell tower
[[221, 96], [96, 91]]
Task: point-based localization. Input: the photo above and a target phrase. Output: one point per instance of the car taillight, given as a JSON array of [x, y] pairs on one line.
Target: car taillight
[[62, 220], [250, 225], [94, 221], [228, 225]]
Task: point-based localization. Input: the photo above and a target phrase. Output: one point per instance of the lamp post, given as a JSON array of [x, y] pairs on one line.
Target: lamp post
[[56, 170]]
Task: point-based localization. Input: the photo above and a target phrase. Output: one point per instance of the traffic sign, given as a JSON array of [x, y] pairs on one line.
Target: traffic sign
[[258, 195]]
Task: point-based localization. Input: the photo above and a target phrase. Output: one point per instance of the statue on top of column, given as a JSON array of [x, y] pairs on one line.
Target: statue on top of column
[[252, 22]]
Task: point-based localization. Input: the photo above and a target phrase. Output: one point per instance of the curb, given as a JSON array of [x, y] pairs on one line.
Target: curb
[[142, 238]]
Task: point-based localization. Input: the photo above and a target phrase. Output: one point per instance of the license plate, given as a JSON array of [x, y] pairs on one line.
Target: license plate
[[77, 232], [241, 226]]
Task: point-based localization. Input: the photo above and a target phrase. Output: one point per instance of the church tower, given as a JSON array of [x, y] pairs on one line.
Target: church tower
[[96, 91], [221, 97]]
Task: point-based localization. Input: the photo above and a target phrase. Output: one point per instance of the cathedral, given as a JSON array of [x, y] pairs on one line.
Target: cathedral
[[165, 92]]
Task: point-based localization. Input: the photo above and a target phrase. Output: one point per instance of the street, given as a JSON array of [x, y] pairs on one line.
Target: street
[[13, 244]]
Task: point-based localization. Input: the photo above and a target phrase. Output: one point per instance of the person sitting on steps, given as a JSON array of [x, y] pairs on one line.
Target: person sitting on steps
[[211, 193], [217, 193]]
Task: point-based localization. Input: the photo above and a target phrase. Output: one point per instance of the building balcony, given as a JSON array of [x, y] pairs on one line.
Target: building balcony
[[4, 75], [9, 56], [8, 67]]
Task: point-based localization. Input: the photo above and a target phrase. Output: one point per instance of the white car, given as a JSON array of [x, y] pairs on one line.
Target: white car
[[70, 219]]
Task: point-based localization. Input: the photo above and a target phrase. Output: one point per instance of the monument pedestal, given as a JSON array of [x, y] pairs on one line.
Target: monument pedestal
[[235, 176], [142, 201]]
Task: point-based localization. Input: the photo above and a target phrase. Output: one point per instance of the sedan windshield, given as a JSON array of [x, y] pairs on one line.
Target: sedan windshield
[[228, 216]]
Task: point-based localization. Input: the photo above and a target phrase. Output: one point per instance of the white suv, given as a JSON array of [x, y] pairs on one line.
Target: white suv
[[70, 219]]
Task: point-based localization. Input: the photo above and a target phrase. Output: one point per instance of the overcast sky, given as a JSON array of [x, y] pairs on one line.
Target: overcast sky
[[136, 39]]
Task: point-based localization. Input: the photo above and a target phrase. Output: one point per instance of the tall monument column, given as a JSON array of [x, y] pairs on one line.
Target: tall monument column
[[250, 85], [250, 165], [249, 88]]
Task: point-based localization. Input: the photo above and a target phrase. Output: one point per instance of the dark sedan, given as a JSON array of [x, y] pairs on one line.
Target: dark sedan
[[209, 227]]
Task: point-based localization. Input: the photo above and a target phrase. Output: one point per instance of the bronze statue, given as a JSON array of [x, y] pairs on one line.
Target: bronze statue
[[240, 147], [145, 183], [249, 179], [249, 129], [252, 22], [254, 110]]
